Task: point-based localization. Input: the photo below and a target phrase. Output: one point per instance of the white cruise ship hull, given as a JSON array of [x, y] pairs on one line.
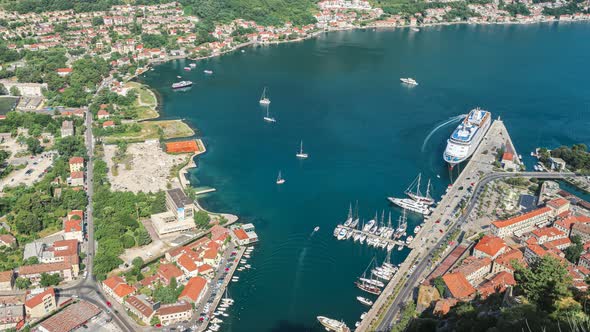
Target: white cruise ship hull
[[458, 151]]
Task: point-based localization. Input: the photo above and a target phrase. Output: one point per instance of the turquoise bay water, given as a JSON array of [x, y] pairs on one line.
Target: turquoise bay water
[[365, 133]]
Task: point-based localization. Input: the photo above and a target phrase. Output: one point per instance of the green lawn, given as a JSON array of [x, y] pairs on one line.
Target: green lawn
[[149, 130]]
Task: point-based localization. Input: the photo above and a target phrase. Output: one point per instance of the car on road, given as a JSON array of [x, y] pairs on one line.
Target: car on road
[[109, 304]]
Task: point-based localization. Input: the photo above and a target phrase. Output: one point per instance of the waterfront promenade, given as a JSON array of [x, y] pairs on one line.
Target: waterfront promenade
[[434, 230]]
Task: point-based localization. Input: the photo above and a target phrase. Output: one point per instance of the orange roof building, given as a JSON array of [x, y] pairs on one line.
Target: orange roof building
[[489, 246], [182, 147], [169, 271], [496, 284], [116, 287], [522, 223], [457, 286], [194, 290]]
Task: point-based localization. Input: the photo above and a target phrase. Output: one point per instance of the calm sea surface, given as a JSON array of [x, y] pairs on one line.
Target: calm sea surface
[[367, 135]]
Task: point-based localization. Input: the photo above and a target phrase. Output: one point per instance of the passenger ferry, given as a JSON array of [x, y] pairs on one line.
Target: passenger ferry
[[467, 136]]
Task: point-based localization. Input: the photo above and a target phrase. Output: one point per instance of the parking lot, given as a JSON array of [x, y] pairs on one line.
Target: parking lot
[[35, 169]]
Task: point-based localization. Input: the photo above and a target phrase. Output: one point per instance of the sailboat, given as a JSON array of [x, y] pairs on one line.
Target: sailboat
[[402, 225], [264, 99], [368, 285], [301, 154], [268, 118], [280, 179], [349, 218], [415, 194]]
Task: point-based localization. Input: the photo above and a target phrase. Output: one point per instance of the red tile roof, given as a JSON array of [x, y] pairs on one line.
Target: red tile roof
[[169, 271], [77, 175], [64, 70], [193, 289], [103, 112], [557, 202], [508, 156], [442, 307], [548, 232], [205, 268], [523, 217], [557, 243], [490, 245], [72, 226], [35, 300], [569, 221], [7, 238], [119, 286], [537, 250], [6, 276], [76, 160], [175, 308], [458, 285], [109, 123], [41, 268], [497, 283], [210, 254], [144, 308]]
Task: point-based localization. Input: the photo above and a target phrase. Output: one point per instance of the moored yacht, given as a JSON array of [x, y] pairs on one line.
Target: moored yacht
[[332, 324], [364, 300], [410, 204], [280, 179], [268, 118], [301, 154], [417, 229], [414, 192]]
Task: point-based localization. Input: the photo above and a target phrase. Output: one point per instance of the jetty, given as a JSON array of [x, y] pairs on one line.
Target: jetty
[[370, 235]]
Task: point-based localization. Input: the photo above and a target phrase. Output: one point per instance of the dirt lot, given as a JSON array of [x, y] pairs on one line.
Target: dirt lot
[[147, 168]]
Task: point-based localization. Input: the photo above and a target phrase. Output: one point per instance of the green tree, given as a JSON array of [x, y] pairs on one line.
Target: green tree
[[22, 283], [439, 284], [14, 91], [202, 219], [574, 251], [33, 146], [137, 262], [544, 282], [155, 320], [3, 90], [50, 279]]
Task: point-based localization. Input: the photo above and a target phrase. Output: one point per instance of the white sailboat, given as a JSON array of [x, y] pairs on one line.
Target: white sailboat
[[268, 118], [301, 154], [414, 192], [264, 99], [280, 179]]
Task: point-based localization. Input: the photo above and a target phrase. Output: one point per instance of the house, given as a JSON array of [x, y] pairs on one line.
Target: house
[[565, 225], [67, 270], [557, 164], [63, 72], [103, 114], [180, 214], [40, 302], [141, 307], [489, 246], [475, 269], [7, 240], [547, 234], [76, 164], [581, 230], [6, 280], [457, 286], [108, 124], [117, 288], [73, 226], [585, 260], [52, 249], [243, 235], [559, 205], [211, 256], [175, 313], [168, 271], [497, 284], [523, 223], [533, 252], [76, 179], [194, 290], [206, 270], [67, 128]]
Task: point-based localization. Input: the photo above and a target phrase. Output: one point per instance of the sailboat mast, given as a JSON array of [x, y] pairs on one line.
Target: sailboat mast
[[389, 221], [428, 189], [418, 186], [301, 147]]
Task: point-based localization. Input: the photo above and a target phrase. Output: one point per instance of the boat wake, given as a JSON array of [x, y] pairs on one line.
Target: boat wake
[[447, 122]]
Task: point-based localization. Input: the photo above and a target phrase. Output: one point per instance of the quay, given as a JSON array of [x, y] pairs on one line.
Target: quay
[[220, 293], [398, 243], [448, 211]]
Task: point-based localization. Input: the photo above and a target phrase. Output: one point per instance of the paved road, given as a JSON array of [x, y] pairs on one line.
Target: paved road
[[87, 288], [387, 323]]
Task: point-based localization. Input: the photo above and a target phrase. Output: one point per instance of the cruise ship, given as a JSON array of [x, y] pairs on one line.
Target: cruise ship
[[467, 136], [333, 325], [410, 204]]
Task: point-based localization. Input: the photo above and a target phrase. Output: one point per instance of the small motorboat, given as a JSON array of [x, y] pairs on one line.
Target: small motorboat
[[317, 228]]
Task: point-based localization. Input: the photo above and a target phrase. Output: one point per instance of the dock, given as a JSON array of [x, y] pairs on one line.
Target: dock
[[384, 310], [398, 243]]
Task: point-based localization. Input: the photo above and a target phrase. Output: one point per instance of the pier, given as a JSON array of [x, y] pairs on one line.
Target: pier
[[440, 223], [369, 235]]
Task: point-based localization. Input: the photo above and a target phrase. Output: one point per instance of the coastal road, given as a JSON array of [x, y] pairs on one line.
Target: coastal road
[[387, 322]]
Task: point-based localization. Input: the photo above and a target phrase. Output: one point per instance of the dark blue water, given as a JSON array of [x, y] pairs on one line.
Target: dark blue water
[[365, 133]]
